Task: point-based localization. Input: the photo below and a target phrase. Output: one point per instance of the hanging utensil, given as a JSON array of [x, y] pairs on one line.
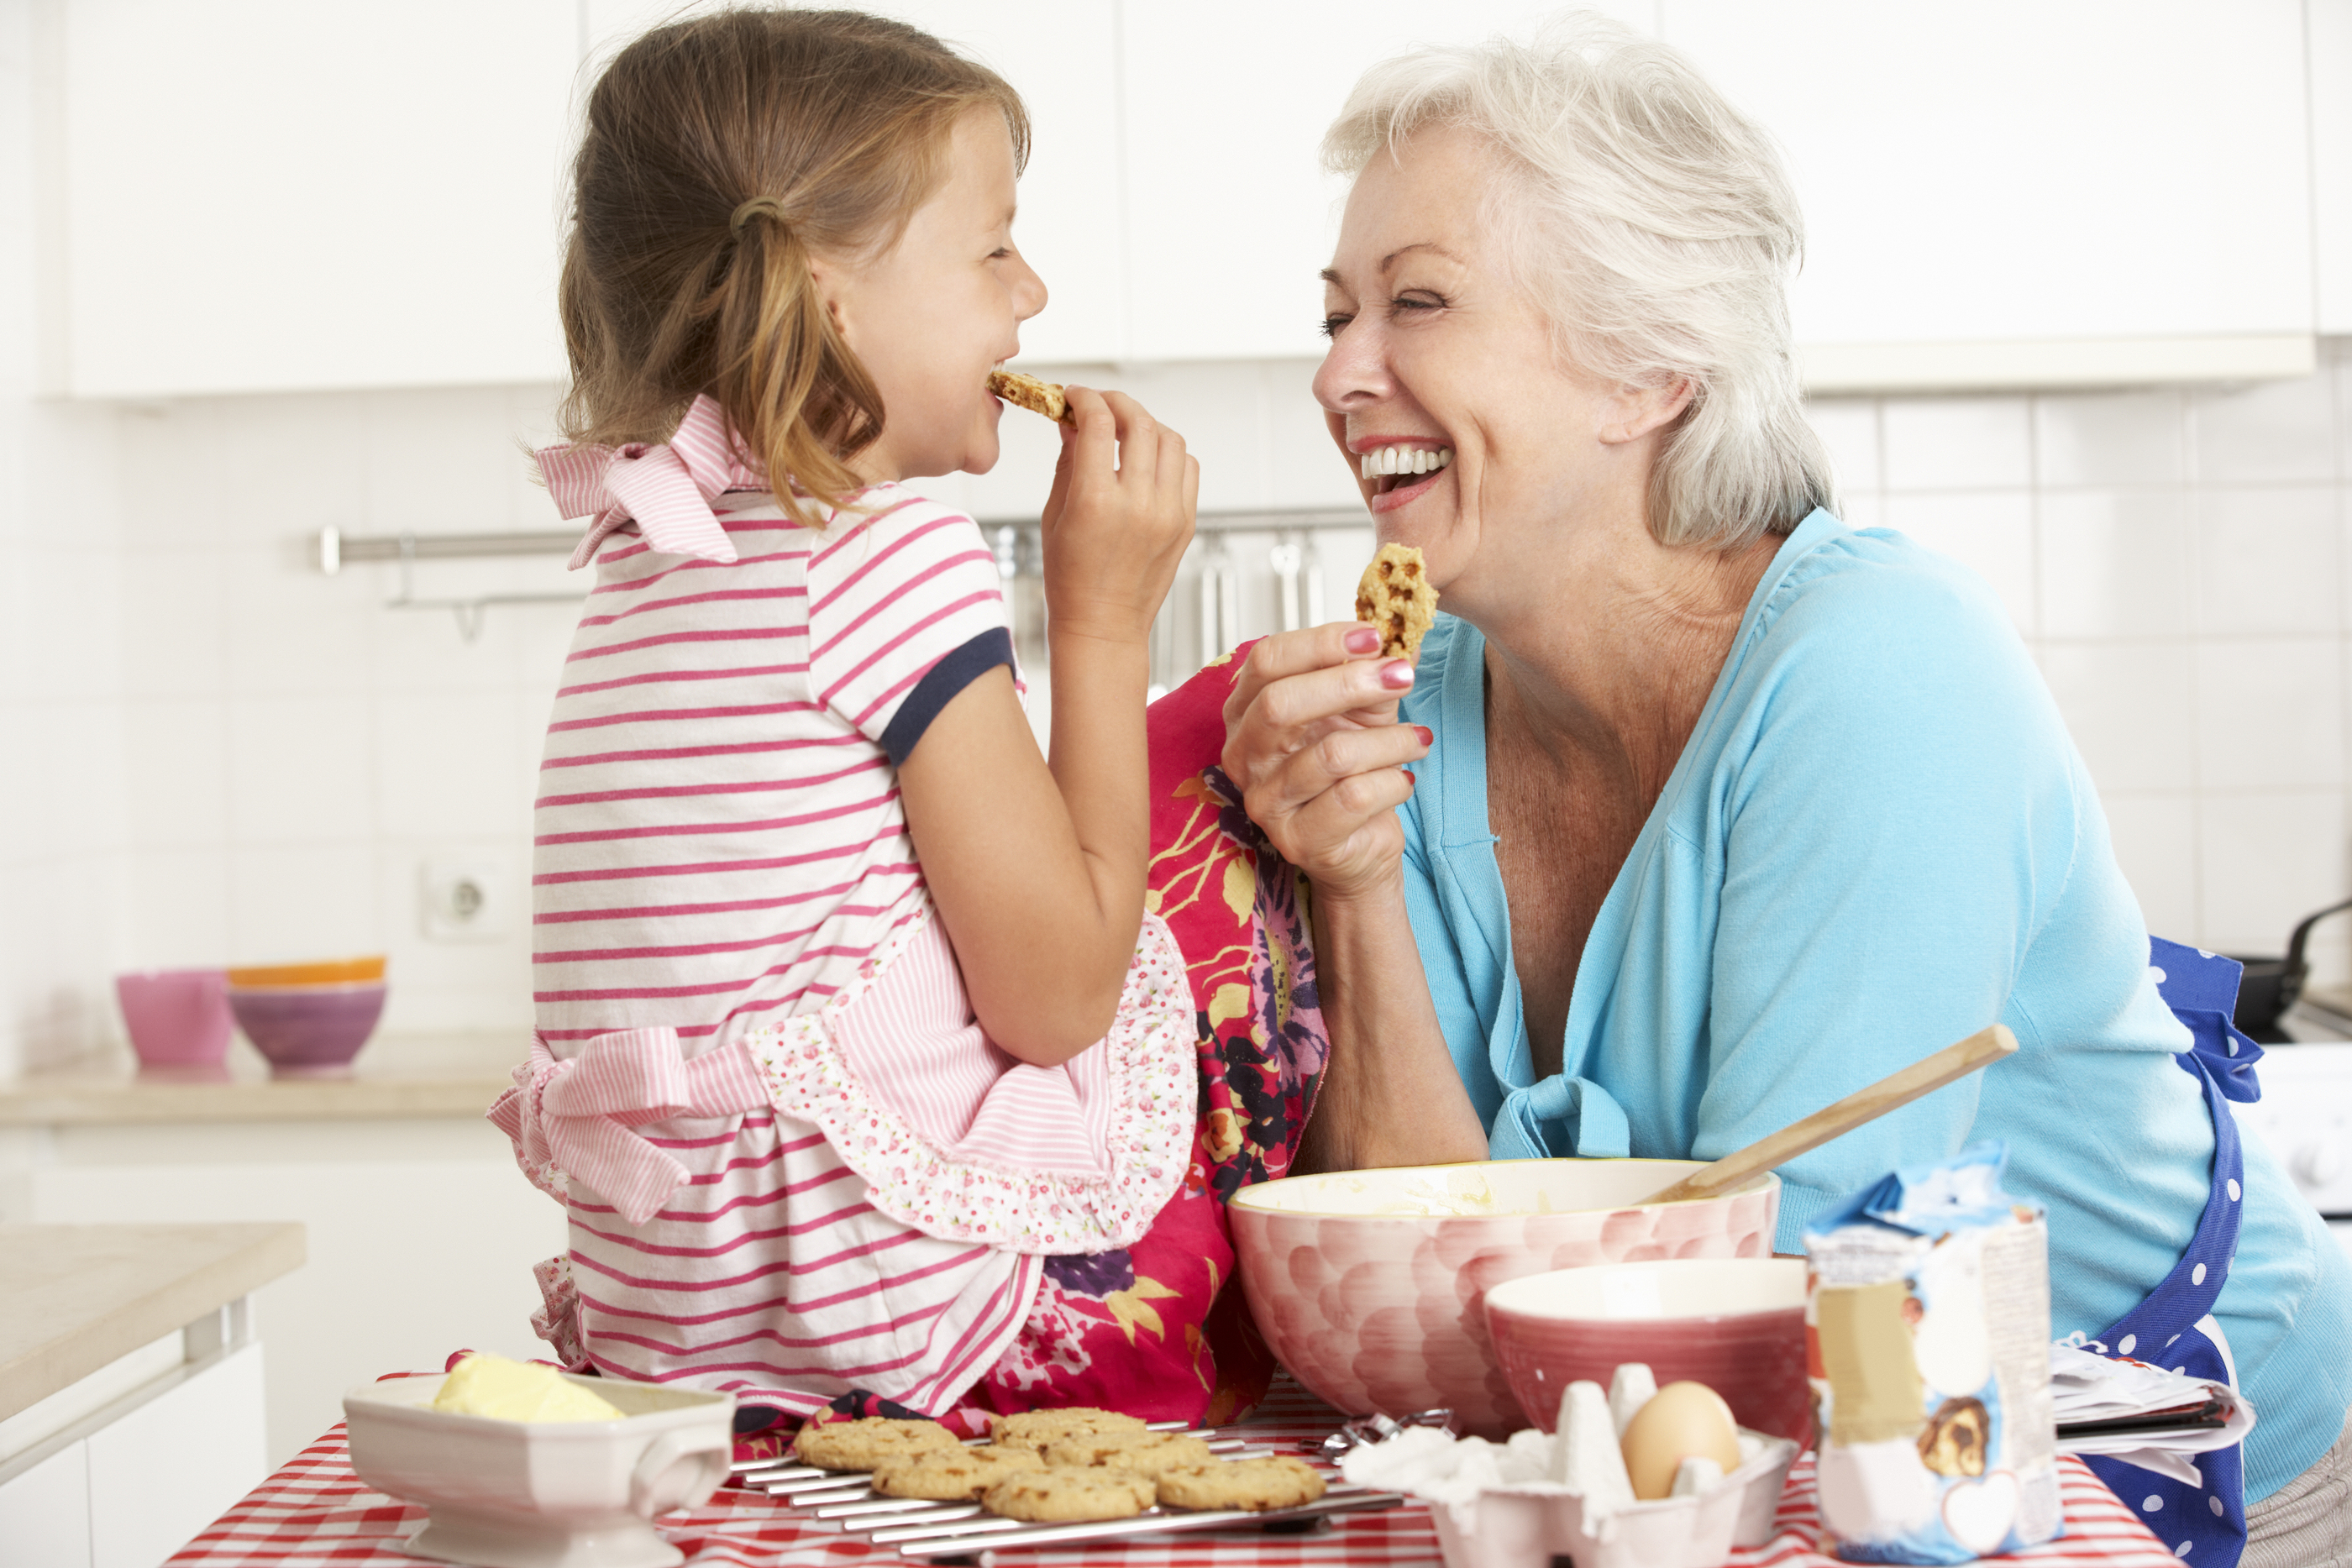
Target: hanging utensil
[[1284, 559]]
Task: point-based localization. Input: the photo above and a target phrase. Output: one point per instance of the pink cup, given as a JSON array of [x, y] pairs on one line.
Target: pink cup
[[178, 1018]]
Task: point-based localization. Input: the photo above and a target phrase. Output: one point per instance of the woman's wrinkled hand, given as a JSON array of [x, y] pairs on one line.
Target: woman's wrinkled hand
[[1313, 744]]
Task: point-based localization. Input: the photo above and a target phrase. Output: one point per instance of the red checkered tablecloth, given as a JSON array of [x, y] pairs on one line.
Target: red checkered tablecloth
[[314, 1512]]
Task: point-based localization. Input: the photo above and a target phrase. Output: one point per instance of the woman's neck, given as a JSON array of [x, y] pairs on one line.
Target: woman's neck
[[1615, 654]]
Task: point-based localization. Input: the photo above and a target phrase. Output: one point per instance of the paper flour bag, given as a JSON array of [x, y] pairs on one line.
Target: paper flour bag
[[1928, 1332]]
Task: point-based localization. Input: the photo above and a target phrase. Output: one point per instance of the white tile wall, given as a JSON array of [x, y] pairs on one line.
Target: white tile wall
[[244, 760], [2178, 560], [64, 861]]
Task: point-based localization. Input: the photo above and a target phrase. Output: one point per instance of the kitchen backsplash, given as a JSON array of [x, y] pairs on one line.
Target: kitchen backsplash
[[218, 754]]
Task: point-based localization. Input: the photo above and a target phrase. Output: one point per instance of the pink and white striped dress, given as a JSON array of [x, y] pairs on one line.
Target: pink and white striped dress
[[793, 1163]]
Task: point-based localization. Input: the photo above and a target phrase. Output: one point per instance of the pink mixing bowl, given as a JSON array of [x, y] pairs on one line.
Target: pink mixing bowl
[[178, 1017], [1737, 1325], [1370, 1286], [309, 1031]]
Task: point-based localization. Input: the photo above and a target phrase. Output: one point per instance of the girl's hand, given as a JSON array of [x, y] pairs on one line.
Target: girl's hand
[[1312, 743], [1114, 532]]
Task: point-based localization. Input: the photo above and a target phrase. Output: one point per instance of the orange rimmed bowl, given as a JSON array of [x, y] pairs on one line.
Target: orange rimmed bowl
[[1370, 1286], [364, 970]]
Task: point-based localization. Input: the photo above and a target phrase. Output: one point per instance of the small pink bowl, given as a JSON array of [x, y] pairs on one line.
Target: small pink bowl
[[178, 1017], [1368, 1285], [309, 1031], [1737, 1325]]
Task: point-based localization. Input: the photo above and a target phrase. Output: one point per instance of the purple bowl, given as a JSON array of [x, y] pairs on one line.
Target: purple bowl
[[178, 1017], [308, 1031]]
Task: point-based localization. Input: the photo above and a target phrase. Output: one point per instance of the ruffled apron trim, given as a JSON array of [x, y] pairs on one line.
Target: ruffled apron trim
[[1149, 1073]]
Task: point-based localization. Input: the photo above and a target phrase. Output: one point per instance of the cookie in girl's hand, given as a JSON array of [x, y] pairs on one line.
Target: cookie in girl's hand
[[862, 1444], [1395, 597], [1029, 392]]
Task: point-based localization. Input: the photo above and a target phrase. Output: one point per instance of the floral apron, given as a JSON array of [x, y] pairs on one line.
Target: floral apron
[[2174, 1327], [1156, 1328]]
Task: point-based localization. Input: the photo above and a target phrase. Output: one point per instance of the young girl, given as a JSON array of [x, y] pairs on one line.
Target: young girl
[[849, 1014]]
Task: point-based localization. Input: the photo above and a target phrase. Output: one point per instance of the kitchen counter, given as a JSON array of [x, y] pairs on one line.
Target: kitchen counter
[[394, 1077], [74, 1298]]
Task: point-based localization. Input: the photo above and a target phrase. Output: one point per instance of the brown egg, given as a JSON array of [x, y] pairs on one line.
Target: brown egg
[[1682, 1421]]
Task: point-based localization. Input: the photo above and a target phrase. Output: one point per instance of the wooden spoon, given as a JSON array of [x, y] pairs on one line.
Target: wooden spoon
[[1923, 1076]]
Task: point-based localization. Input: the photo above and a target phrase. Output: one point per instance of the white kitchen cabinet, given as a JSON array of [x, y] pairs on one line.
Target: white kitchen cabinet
[[2018, 192], [2330, 44], [1062, 56], [421, 1232], [1229, 217], [2096, 173], [166, 1470], [45, 1512], [136, 1482], [278, 194]]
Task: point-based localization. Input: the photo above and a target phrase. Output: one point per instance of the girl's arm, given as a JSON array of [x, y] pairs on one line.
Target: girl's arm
[[1038, 870]]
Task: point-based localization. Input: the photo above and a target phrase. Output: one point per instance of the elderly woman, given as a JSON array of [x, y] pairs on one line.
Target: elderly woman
[[1701, 809]]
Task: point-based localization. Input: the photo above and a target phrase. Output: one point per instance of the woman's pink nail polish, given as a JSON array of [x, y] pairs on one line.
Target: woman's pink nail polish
[[1427, 736], [1396, 674], [1363, 640]]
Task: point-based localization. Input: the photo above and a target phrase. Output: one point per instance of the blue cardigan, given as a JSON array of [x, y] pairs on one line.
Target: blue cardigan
[[1878, 840]]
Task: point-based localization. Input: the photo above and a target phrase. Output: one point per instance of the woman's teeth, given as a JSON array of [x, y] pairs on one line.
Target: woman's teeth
[[1404, 460]]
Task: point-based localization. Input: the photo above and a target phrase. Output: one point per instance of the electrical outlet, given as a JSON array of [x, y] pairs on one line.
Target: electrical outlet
[[466, 900]]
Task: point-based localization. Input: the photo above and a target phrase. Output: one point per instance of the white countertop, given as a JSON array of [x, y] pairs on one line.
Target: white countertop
[[394, 1076], [73, 1298]]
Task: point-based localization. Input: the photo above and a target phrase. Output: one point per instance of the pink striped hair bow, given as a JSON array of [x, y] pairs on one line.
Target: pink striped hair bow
[[580, 1115], [666, 490]]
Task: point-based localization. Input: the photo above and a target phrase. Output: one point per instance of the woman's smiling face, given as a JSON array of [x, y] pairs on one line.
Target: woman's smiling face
[[1442, 378]]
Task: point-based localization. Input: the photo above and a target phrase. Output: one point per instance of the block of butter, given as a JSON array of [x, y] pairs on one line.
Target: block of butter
[[507, 1390]]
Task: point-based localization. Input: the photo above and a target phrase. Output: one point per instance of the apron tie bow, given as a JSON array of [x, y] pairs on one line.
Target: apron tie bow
[[580, 1115], [666, 490]]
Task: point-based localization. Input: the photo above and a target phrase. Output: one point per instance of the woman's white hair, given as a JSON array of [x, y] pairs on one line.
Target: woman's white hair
[[1655, 226]]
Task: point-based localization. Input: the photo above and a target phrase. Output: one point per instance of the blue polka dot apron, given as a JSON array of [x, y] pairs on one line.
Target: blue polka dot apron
[[2205, 1524]]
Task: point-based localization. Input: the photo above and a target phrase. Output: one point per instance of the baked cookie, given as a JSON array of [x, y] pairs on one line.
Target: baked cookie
[[1042, 1429], [1395, 597], [1139, 1453], [1029, 392], [862, 1444], [951, 1475], [1277, 1480], [1052, 1496]]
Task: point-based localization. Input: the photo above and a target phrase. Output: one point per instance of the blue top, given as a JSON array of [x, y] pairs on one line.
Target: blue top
[[1878, 840]]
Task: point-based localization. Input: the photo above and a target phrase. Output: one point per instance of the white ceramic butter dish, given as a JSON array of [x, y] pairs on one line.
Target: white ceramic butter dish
[[552, 1494]]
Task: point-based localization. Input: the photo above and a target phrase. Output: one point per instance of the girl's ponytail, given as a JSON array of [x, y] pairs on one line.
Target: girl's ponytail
[[720, 156]]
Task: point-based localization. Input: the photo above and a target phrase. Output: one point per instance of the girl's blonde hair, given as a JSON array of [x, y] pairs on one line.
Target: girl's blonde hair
[[721, 153], [1656, 227]]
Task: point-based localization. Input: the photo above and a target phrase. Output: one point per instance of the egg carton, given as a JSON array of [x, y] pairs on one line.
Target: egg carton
[[926, 1531], [1533, 1525]]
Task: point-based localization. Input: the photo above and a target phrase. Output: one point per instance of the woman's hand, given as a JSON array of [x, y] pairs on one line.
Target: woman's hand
[[1113, 534], [1312, 743]]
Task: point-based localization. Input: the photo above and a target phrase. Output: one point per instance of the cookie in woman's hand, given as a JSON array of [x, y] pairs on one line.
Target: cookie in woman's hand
[[1394, 598]]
